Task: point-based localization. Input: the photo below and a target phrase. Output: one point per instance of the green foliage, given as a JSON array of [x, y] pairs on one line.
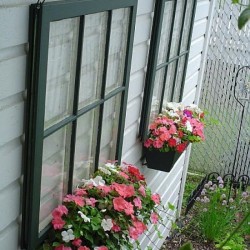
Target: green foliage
[[186, 246], [215, 214], [244, 17], [235, 243]]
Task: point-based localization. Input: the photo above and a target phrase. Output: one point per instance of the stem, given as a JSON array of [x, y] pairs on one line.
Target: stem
[[235, 230]]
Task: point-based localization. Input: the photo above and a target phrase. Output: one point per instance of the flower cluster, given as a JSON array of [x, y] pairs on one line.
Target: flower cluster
[[107, 211], [175, 128]]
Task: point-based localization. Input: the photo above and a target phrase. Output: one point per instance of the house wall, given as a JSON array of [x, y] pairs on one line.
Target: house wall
[[14, 15]]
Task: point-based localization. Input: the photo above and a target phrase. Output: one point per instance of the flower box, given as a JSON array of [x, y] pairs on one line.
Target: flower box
[[162, 161], [170, 133]]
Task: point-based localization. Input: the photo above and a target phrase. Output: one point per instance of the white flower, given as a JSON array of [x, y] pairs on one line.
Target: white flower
[[189, 126], [68, 235], [97, 181], [107, 224], [174, 106], [109, 165], [104, 170], [84, 217]]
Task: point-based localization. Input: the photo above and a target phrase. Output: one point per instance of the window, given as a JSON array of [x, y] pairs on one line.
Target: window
[[78, 84], [168, 55]]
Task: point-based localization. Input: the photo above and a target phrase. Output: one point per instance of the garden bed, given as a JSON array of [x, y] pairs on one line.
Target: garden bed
[[189, 228]]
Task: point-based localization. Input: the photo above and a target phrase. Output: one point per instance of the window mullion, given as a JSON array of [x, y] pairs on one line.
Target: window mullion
[[188, 47], [151, 70], [124, 98], [71, 146], [105, 68], [168, 54], [179, 48]]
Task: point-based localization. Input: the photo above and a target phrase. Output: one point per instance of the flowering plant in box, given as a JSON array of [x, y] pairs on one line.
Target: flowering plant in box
[[177, 126], [107, 211]]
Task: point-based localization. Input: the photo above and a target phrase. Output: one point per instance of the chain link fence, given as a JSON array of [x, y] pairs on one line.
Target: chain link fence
[[228, 51]]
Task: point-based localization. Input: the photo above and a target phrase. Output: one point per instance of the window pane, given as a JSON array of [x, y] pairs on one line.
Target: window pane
[[187, 26], [165, 32], [95, 28], [157, 93], [110, 128], [54, 173], [177, 28], [178, 81], [61, 70], [117, 49], [87, 127], [169, 83]]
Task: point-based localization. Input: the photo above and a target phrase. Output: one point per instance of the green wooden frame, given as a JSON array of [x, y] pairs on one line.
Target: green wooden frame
[[40, 17], [152, 60]]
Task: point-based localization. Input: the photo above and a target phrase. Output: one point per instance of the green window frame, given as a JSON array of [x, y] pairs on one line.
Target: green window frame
[[41, 17], [168, 56]]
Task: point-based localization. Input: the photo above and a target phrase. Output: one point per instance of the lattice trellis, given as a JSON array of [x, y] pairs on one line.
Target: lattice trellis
[[228, 51]]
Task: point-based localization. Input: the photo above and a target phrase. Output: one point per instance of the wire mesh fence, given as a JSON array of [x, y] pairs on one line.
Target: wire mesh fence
[[228, 51]]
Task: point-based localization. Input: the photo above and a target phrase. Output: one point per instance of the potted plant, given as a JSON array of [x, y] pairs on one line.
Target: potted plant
[[105, 212], [171, 132]]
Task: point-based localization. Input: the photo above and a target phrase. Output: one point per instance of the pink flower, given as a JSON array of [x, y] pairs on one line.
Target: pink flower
[[154, 218], [165, 137], [158, 143], [77, 242], [58, 223], [105, 189], [135, 172], [172, 130], [123, 189], [123, 175], [137, 202], [156, 198], [140, 226], [80, 192], [115, 227], [62, 247], [181, 147], [122, 205], [133, 233], [172, 142], [148, 143], [83, 248], [142, 190], [102, 248], [78, 200], [90, 202], [153, 126], [59, 211]]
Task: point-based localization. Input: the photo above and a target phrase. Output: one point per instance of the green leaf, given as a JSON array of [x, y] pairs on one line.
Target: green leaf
[[226, 247], [244, 17], [235, 1], [56, 244], [171, 206]]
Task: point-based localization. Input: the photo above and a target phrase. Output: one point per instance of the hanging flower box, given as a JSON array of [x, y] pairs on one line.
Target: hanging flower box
[[170, 133], [162, 161]]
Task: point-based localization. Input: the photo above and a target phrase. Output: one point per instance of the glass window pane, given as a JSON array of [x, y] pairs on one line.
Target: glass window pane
[[169, 83], [54, 173], [187, 26], [179, 77], [117, 49], [177, 28], [87, 127], [157, 93], [95, 28], [109, 129], [63, 38], [165, 32]]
